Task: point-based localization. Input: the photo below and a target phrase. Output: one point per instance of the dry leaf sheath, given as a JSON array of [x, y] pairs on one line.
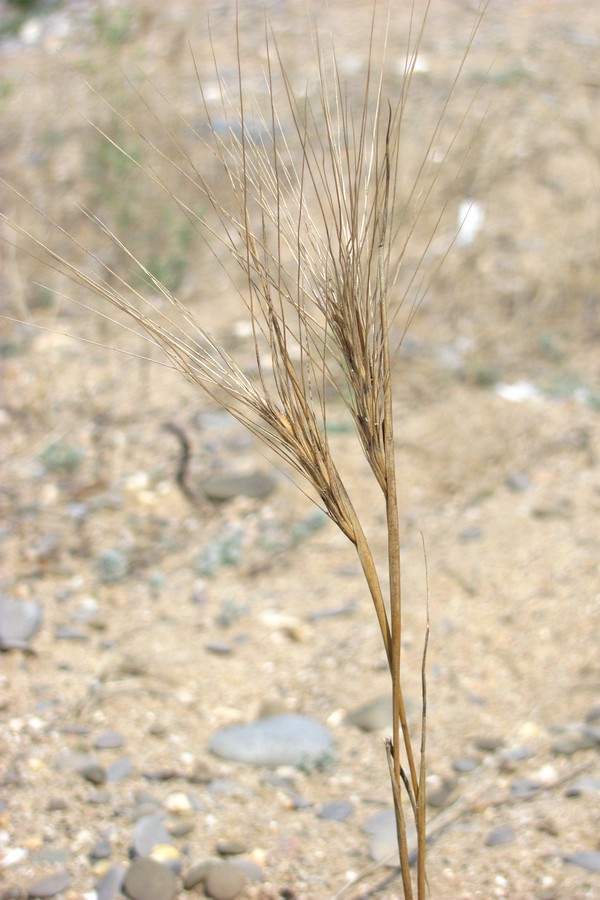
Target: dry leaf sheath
[[303, 196]]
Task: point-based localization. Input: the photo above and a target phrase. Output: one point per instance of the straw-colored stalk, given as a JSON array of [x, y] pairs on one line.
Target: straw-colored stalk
[[306, 206]]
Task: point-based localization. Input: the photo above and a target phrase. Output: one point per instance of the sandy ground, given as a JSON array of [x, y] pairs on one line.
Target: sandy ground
[[504, 485]]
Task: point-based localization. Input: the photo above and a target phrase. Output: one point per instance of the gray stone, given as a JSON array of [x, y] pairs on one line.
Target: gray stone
[[112, 566], [149, 831], [93, 772], [146, 879], [489, 743], [221, 488], [109, 886], [463, 766], [19, 621], [109, 740], [119, 770], [585, 859], [338, 810], [51, 885], [101, 849], [586, 784], [572, 742], [197, 873], [502, 834], [229, 847], [224, 881], [376, 715], [383, 841], [292, 740]]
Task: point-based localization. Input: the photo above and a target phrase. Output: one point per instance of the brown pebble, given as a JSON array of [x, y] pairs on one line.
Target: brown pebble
[[93, 773], [227, 847]]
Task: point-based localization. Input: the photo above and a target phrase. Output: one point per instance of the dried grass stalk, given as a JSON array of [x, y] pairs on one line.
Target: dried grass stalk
[[308, 213]]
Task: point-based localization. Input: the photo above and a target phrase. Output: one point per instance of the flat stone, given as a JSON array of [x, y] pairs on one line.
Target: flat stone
[[337, 811], [231, 847], [376, 715], [109, 740], [197, 873], [586, 784], [109, 886], [51, 885], [101, 849], [502, 834], [571, 743], [585, 859], [291, 740], [489, 743], [119, 770], [524, 787], [465, 765], [93, 772], [148, 832], [439, 791], [146, 879], [19, 621], [383, 840], [224, 881], [221, 488], [251, 869]]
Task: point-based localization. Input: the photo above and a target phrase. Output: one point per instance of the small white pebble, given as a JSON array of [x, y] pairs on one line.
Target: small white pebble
[[12, 856]]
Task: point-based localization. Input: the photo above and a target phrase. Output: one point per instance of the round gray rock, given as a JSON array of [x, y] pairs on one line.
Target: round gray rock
[[19, 621], [146, 879], [289, 740], [149, 831], [51, 885], [224, 881]]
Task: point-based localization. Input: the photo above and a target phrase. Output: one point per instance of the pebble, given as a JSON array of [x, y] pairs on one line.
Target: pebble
[[518, 481], [197, 873], [337, 811], [179, 803], [502, 834], [112, 566], [250, 868], [51, 885], [585, 859], [109, 886], [101, 849], [219, 648], [292, 740], [231, 847], [489, 743], [119, 770], [573, 742], [167, 855], [584, 785], [109, 740], [221, 488], [98, 798], [93, 772], [224, 881], [524, 787], [19, 621], [148, 832], [463, 766], [146, 879], [69, 633], [439, 791], [383, 841], [376, 715]]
